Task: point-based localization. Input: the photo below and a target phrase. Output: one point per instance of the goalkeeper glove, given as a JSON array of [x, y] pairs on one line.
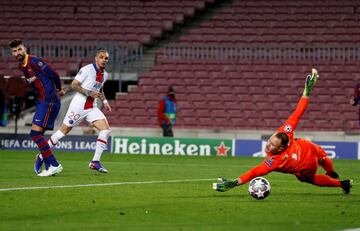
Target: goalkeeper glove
[[224, 185], [310, 82]]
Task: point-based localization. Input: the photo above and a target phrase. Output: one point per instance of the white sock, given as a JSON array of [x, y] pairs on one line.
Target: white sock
[[101, 144], [54, 139]]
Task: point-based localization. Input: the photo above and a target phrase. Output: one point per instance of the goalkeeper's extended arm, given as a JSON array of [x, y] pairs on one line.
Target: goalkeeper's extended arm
[[310, 82]]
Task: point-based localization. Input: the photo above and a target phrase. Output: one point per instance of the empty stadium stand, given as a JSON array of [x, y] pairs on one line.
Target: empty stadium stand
[[281, 22], [242, 95], [119, 21], [135, 22], [256, 93]]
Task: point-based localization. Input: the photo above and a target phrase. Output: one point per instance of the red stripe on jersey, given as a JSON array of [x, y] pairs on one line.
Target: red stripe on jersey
[[38, 84], [102, 141], [40, 87], [99, 77], [89, 102]]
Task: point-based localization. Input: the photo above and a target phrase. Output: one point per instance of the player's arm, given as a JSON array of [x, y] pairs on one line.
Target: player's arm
[[260, 170], [41, 66], [104, 100], [76, 86], [266, 167], [50, 73], [290, 125], [77, 82]]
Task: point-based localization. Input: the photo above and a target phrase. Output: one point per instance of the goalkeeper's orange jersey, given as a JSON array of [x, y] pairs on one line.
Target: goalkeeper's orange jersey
[[299, 158]]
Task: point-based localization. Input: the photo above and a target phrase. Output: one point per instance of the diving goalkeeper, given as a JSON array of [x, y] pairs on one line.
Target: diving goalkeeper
[[296, 156]]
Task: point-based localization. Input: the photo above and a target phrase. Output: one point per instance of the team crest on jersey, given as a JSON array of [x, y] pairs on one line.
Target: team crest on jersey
[[269, 162], [285, 157], [41, 64], [288, 128]]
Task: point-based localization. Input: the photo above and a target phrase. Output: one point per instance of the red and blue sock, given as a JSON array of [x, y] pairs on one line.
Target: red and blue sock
[[44, 148]]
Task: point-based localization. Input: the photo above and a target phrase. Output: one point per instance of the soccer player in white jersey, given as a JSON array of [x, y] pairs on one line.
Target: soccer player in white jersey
[[88, 85]]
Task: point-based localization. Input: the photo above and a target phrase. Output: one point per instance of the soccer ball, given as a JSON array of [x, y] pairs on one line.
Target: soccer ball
[[259, 188]]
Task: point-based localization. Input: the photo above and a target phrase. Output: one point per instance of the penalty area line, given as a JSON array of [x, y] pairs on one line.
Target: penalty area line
[[103, 184]]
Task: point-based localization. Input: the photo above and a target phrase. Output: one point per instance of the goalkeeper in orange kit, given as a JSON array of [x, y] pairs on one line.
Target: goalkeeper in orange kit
[[287, 154]]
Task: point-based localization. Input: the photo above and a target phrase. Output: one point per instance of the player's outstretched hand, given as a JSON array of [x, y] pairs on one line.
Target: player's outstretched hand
[[94, 94], [107, 107], [224, 184], [310, 82]]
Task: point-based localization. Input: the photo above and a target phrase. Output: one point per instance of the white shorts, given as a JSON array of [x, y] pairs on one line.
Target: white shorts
[[75, 115]]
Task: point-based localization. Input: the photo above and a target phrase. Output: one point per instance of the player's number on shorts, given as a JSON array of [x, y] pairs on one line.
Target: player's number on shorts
[[74, 116]]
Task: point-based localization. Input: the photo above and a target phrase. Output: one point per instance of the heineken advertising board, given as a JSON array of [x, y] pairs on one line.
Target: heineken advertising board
[[172, 146]]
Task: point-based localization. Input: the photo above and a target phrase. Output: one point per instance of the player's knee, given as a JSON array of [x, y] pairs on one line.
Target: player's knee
[[305, 177], [104, 134], [33, 134], [65, 129]]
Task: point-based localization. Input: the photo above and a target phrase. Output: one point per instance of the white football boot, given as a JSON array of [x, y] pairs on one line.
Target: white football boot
[[51, 171]]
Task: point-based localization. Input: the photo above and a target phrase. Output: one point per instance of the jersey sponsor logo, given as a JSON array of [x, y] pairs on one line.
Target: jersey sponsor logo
[[269, 162], [97, 86], [294, 156], [31, 79], [288, 128]]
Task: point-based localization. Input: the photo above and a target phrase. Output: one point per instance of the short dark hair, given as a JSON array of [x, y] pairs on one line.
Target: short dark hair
[[15, 42], [100, 50], [284, 138]]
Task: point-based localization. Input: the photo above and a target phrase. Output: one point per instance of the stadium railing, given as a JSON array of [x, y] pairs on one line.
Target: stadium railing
[[123, 56], [281, 52]]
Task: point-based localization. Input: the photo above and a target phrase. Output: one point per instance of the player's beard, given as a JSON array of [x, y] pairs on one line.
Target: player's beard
[[20, 57]]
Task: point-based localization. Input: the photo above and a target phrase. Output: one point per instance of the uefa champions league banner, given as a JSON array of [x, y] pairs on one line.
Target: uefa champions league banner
[[68, 143], [172, 146], [335, 150]]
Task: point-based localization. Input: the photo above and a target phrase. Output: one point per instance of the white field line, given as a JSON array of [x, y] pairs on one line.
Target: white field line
[[113, 184], [103, 184]]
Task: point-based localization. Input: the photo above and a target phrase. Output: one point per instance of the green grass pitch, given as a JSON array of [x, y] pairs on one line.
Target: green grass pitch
[[191, 205]]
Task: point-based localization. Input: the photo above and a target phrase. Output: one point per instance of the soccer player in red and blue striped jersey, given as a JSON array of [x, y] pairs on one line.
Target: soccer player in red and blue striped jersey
[[47, 86]]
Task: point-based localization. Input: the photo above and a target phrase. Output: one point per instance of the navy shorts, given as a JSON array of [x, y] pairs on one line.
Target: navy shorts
[[46, 113]]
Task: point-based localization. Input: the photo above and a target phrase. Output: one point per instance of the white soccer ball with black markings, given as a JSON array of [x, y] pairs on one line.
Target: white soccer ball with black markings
[[259, 188]]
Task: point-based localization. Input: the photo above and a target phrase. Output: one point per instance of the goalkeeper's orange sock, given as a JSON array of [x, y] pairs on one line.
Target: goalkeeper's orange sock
[[325, 181]]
